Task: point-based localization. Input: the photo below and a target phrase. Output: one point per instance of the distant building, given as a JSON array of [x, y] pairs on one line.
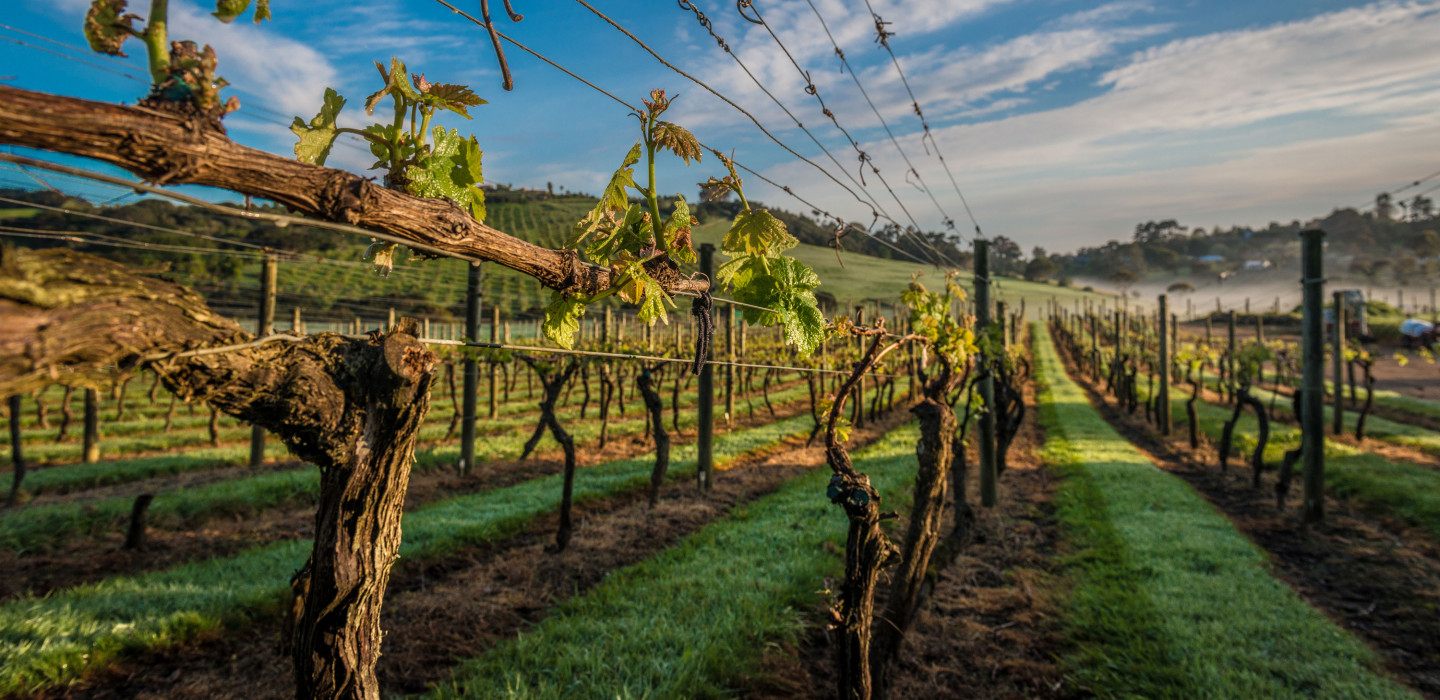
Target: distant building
[[1211, 258], [1257, 264]]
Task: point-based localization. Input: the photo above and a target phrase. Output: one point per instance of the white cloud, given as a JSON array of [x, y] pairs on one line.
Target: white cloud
[[1277, 122], [288, 76], [283, 74]]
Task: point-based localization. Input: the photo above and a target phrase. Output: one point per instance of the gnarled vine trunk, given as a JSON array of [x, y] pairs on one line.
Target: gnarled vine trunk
[[934, 454], [351, 407], [552, 383], [657, 424]]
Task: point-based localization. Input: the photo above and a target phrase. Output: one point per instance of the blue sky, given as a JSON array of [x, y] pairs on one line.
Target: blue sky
[[1064, 122]]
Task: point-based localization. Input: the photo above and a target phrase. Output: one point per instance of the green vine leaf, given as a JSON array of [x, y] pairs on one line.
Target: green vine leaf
[[262, 10], [613, 199], [452, 97], [653, 307], [107, 26], [318, 136], [676, 139], [677, 233], [562, 320], [758, 234], [395, 83], [785, 285], [451, 170]]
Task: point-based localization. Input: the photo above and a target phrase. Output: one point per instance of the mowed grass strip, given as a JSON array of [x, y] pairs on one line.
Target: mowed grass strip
[[690, 621], [1379, 485], [47, 526], [1167, 598], [56, 639]]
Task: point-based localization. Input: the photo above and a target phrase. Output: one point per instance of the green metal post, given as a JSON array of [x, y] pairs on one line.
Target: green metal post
[[265, 326], [705, 438], [988, 497], [472, 371], [1337, 352], [1162, 403], [1312, 439]]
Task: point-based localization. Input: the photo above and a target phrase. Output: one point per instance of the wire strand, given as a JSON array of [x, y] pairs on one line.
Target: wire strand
[[785, 188], [883, 39]]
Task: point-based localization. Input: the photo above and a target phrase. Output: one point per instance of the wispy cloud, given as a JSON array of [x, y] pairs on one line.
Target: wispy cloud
[[1271, 122]]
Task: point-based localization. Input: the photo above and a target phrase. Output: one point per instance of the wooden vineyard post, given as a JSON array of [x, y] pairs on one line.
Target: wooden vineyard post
[[1312, 439], [1337, 357], [1004, 327], [494, 368], [297, 326], [17, 456], [730, 368], [472, 370], [1434, 313], [705, 424], [1230, 359], [265, 325], [1259, 329], [987, 382], [92, 426], [1162, 403]]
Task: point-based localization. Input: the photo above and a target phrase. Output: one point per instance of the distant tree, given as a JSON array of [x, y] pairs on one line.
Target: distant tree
[[1040, 269], [1421, 208], [1006, 254], [1162, 257], [1426, 244], [1370, 270], [1123, 280], [1405, 268], [1038, 252], [1180, 288], [1157, 231], [1384, 209]]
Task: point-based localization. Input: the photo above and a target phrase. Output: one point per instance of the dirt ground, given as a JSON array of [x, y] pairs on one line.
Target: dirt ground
[[439, 611], [1375, 576]]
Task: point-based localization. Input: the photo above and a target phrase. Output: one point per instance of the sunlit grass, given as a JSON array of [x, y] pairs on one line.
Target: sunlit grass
[[691, 620], [1167, 598]]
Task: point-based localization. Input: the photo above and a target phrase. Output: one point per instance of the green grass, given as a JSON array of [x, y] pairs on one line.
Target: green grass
[[1167, 598], [690, 621], [48, 526], [52, 640], [1405, 490]]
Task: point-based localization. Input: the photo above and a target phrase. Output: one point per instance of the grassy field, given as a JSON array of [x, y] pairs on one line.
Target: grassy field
[[864, 277], [1168, 599]]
